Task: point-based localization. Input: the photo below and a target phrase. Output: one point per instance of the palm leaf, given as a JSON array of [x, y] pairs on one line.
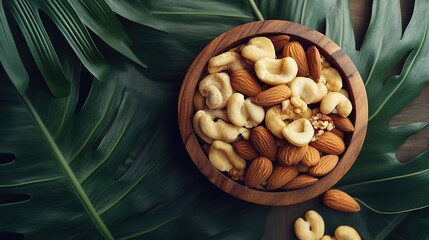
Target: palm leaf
[[110, 163]]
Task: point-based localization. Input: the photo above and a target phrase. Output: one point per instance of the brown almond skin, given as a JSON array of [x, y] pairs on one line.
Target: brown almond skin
[[264, 142], [295, 50], [290, 155], [245, 149], [342, 123], [338, 132], [272, 96], [258, 171], [311, 157], [300, 181], [245, 83], [329, 143], [314, 62], [281, 176], [279, 41], [326, 164], [340, 201]]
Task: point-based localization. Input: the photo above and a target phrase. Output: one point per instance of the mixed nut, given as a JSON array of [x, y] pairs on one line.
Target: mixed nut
[[272, 114]]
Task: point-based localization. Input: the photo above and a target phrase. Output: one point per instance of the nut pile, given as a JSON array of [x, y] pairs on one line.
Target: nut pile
[[272, 114], [312, 227]]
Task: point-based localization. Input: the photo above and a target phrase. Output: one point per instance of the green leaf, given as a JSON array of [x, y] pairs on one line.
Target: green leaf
[[98, 16], [40, 46], [64, 16], [99, 171], [9, 56]]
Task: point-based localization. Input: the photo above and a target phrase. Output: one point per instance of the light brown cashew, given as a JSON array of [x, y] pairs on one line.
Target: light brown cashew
[[276, 71], [224, 158], [346, 233], [335, 102], [276, 120], [209, 130], [308, 90], [217, 89], [299, 132], [345, 93], [334, 82], [258, 48], [312, 228], [228, 61], [217, 114], [243, 112], [299, 106]]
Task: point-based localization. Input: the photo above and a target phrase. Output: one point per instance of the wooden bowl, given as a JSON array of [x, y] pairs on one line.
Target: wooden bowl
[[336, 57]]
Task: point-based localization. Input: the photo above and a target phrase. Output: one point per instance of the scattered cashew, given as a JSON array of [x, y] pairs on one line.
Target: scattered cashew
[[306, 89], [276, 71], [335, 102], [217, 89], [299, 132], [217, 114], [228, 61], [327, 237], [312, 228], [243, 112], [223, 157], [258, 48], [209, 129], [346, 233], [334, 82]]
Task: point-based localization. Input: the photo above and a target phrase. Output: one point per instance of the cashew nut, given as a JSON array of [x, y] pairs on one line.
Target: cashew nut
[[223, 158], [275, 120], [306, 89], [209, 130], [327, 237], [258, 48], [346, 233], [276, 71], [299, 132], [345, 93], [312, 228], [335, 102], [299, 106], [334, 82], [217, 89], [228, 61], [243, 112]]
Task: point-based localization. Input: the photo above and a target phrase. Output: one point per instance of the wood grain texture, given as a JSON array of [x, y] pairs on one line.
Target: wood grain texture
[[307, 37]]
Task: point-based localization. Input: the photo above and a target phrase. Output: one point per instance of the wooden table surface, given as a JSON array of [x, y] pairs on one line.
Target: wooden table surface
[[417, 111]]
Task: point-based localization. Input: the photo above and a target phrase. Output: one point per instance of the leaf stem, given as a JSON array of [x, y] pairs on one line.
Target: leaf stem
[[256, 10], [69, 172]]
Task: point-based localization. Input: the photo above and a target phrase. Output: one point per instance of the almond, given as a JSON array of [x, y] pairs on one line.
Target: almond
[[272, 96], [311, 157], [258, 171], [245, 83], [340, 201], [329, 143], [245, 149], [314, 62], [290, 155], [302, 168], [338, 132], [326, 164], [264, 142], [342, 123], [300, 181], [281, 176], [296, 51], [279, 41]]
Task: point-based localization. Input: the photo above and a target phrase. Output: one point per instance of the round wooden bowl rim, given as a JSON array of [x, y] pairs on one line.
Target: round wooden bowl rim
[[335, 56]]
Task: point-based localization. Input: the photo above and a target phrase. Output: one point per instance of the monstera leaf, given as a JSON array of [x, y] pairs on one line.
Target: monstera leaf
[[106, 161]]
